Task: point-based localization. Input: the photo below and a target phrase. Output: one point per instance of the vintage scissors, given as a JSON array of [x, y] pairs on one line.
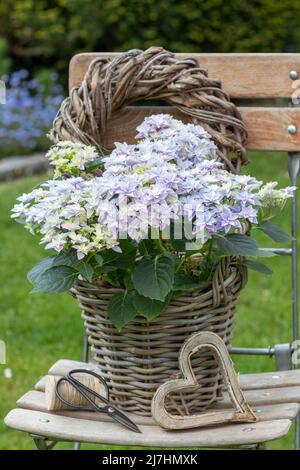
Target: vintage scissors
[[89, 394]]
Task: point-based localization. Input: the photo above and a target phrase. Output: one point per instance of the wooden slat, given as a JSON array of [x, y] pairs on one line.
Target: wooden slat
[[255, 397], [36, 401], [259, 381], [267, 127], [242, 75], [63, 428], [269, 396], [63, 366], [287, 378], [40, 385]]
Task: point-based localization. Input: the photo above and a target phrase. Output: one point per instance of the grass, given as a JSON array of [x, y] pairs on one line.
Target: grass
[[40, 329]]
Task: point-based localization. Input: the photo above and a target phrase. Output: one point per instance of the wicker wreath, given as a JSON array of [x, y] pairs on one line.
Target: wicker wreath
[[154, 74]]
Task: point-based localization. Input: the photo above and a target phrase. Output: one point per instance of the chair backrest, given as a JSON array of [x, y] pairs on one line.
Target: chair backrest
[[243, 76], [260, 78]]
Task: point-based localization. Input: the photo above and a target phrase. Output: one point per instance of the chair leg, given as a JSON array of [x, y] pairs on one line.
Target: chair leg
[[259, 446], [85, 358], [297, 432], [42, 442]]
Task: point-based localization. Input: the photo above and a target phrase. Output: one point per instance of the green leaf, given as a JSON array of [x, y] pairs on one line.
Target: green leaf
[[66, 259], [179, 244], [99, 260], [107, 269], [128, 281], [154, 278], [63, 259], [183, 282], [274, 232], [174, 258], [121, 309], [113, 260], [55, 279], [237, 244], [40, 268], [115, 278], [149, 308], [257, 266], [94, 165], [145, 247], [86, 271]]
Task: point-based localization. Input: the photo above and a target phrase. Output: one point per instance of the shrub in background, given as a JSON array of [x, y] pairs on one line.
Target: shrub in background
[[36, 30], [5, 61], [31, 105]]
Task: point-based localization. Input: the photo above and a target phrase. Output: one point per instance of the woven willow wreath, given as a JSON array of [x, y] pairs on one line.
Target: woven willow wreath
[[154, 74]]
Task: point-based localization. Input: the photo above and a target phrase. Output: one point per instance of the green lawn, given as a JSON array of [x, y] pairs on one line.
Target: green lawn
[[39, 329]]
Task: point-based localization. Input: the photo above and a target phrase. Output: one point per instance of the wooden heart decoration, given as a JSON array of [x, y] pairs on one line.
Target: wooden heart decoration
[[241, 411]]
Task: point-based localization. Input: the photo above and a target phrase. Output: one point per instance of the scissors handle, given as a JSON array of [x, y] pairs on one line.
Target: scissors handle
[[71, 377], [87, 392], [84, 391]]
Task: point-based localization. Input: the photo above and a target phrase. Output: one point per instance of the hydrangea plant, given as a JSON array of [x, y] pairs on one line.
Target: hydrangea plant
[[155, 206]]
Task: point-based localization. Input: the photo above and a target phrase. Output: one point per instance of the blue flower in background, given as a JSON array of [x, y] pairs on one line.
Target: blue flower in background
[[28, 113]]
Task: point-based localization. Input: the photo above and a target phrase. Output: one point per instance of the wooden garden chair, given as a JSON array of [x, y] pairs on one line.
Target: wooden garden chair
[[274, 396]]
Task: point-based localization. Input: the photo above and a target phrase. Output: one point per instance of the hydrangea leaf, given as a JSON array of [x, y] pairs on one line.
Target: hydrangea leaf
[[86, 271], [37, 270], [66, 259], [260, 267], [113, 260], [56, 279], [94, 165], [274, 232], [154, 278], [237, 244], [121, 309], [149, 308], [183, 282]]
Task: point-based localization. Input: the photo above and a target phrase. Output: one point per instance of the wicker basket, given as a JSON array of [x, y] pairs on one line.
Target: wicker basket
[[144, 355]]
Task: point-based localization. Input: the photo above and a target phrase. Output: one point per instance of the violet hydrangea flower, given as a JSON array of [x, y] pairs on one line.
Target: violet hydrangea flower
[[170, 174]]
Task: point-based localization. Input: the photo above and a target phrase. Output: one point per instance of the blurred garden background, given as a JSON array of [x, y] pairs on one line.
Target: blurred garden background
[[37, 40], [39, 37]]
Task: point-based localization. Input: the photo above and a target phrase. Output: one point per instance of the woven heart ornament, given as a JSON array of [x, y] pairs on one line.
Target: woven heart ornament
[[240, 411]]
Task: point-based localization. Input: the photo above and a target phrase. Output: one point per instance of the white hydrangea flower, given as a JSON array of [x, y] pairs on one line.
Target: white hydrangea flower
[[171, 174], [70, 158]]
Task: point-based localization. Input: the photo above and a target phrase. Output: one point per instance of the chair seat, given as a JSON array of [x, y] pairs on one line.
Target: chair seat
[[274, 397]]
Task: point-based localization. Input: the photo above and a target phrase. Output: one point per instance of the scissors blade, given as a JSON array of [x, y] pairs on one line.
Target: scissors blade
[[124, 420]]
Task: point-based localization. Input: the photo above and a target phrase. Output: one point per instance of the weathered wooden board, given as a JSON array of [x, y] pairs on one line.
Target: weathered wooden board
[[269, 396], [242, 75], [63, 428], [267, 127], [36, 401], [262, 380], [277, 379]]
